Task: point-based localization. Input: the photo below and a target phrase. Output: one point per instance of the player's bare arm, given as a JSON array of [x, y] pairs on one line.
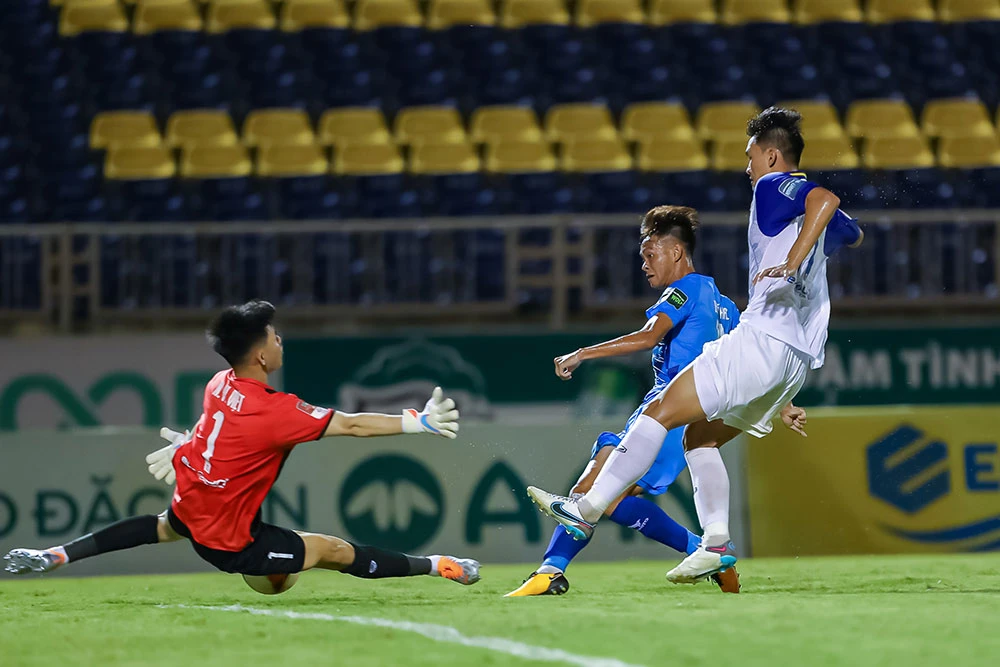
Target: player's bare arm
[[439, 417], [821, 204], [645, 338]]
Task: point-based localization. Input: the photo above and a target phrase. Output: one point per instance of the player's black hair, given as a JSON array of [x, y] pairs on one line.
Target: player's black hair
[[780, 128], [238, 329], [680, 222]]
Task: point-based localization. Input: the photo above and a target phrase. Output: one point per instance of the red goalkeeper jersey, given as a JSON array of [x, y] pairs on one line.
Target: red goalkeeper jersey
[[233, 459]]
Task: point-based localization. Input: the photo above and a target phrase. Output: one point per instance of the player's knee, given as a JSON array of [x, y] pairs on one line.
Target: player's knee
[[164, 533], [337, 552]]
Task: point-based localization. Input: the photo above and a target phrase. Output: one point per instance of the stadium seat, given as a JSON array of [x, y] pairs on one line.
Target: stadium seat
[[451, 158], [567, 122], [123, 128], [722, 120], [520, 13], [449, 13], [672, 154], [738, 12], [94, 18], [897, 153], [438, 125], [656, 120], [151, 17], [291, 161], [894, 11], [819, 118], [589, 155], [306, 14], [131, 164], [520, 157], [729, 154], [870, 119], [203, 128], [596, 12], [954, 11], [664, 12], [835, 152], [367, 160], [359, 125], [226, 15], [489, 125], [808, 12], [374, 14], [284, 127], [201, 161], [969, 152], [956, 118]]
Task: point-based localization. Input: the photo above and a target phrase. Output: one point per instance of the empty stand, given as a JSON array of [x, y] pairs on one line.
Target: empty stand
[[360, 125], [504, 123]]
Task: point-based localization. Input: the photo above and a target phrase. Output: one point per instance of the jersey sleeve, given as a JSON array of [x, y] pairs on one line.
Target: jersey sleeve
[[675, 303], [734, 315], [842, 231], [294, 421], [780, 198]]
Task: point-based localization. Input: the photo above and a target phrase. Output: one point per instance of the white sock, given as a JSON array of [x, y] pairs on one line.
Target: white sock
[[61, 552], [434, 565], [548, 569], [630, 461], [711, 493]]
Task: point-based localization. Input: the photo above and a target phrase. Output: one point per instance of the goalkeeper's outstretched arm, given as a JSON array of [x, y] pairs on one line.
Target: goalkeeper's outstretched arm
[[439, 417]]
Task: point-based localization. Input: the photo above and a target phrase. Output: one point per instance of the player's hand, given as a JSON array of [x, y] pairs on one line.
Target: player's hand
[[566, 364], [160, 462], [782, 270], [794, 418], [439, 417]]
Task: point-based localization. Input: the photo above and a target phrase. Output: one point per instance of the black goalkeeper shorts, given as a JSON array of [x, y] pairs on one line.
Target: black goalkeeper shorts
[[274, 550]]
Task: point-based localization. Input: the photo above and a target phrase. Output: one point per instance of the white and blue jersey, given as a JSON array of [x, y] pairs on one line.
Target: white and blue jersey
[[700, 314]]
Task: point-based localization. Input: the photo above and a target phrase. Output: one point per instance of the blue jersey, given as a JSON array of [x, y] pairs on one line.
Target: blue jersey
[[700, 314]]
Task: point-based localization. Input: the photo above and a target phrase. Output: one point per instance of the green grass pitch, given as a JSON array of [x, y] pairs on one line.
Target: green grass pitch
[[895, 610]]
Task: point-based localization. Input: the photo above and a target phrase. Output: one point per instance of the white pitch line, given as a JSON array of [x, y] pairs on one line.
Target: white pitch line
[[439, 633]]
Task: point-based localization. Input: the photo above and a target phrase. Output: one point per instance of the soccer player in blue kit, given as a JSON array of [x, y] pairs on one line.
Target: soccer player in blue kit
[[689, 313]]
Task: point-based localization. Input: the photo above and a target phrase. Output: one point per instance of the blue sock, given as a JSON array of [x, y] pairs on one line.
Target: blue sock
[[647, 517], [562, 549]]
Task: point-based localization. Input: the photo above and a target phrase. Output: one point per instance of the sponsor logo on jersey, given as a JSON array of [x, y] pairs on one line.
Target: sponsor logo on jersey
[[676, 298], [791, 186], [312, 410]]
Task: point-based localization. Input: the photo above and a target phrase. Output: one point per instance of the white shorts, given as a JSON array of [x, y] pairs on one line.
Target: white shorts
[[746, 377]]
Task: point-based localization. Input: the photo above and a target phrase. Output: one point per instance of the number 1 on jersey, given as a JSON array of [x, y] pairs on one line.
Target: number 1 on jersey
[[218, 417]]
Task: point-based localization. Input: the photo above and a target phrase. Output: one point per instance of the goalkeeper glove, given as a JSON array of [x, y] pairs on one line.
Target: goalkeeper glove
[[161, 462], [439, 417]]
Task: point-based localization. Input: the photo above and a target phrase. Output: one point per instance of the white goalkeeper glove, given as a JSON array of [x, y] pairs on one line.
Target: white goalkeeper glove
[[161, 462], [439, 417]]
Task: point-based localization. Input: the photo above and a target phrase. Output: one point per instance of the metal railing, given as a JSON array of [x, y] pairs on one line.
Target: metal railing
[[78, 276]]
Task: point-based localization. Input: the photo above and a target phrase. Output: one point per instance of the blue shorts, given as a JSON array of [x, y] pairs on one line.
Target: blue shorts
[[669, 462]]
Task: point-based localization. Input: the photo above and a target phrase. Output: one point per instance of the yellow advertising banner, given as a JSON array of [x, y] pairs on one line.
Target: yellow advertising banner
[[878, 480]]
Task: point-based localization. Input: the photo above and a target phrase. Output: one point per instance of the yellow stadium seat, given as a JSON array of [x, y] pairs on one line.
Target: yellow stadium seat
[[504, 123], [447, 13], [291, 161], [82, 3], [590, 156], [956, 118], [662, 12], [215, 162], [372, 14], [357, 125], [594, 12], [672, 154], [871, 119], [649, 120], [808, 12], [891, 11], [897, 153], [104, 18], [725, 120], [968, 10], [819, 118], [301, 14], [284, 127], [367, 160], [153, 17], [729, 154], [203, 128], [127, 163], [519, 13], [444, 159], [830, 153], [738, 12], [969, 152], [123, 128], [225, 15], [520, 157], [439, 125], [567, 122]]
